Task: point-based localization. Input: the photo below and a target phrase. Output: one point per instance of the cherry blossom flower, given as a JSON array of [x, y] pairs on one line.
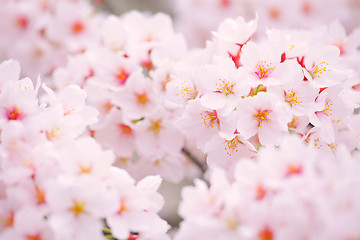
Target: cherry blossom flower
[[320, 67], [264, 115], [117, 133], [200, 122], [137, 206], [76, 207], [223, 89], [334, 110], [262, 64], [138, 98]]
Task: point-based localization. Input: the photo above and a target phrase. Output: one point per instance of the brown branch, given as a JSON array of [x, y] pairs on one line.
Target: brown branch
[[194, 160]]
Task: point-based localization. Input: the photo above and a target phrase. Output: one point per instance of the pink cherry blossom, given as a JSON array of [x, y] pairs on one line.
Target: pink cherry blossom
[[265, 115]]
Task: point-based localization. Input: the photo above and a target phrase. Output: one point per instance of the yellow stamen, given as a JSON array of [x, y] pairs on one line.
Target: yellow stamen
[[77, 208], [263, 69], [142, 98], [319, 69], [261, 116], [224, 87]]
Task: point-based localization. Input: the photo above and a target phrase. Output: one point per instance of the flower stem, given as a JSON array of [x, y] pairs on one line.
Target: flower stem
[[258, 147], [257, 89]]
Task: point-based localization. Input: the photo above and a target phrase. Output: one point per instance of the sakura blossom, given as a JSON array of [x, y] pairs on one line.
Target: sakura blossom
[[48, 163], [247, 109], [266, 199]]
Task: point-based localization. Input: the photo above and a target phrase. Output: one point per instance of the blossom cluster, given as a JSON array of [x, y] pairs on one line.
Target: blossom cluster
[[123, 103], [42, 33], [291, 192], [125, 77], [242, 99], [56, 182], [244, 94]]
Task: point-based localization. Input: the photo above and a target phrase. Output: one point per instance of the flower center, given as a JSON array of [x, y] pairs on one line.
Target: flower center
[[34, 237], [210, 118], [225, 3], [263, 69], [188, 93], [266, 234], [40, 195], [122, 206], [261, 116], [8, 220], [14, 114], [77, 208], [232, 145], [328, 110], [77, 27], [224, 87], [106, 106], [141, 98], [53, 134], [22, 22], [260, 192], [319, 69], [291, 98], [125, 129], [121, 76], [293, 170], [85, 169], [274, 13], [156, 126]]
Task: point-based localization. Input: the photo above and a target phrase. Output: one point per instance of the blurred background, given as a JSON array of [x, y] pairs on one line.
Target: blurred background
[[122, 6], [197, 18]]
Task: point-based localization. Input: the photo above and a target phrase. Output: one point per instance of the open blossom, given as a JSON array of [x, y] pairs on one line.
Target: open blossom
[[298, 94], [232, 35], [200, 122], [137, 99], [336, 35], [225, 150], [222, 85], [113, 39], [117, 133], [75, 207], [267, 195], [184, 85], [18, 97], [322, 67], [265, 115], [68, 115], [157, 134], [145, 33], [111, 68], [262, 64], [78, 162], [73, 22], [16, 104], [136, 206], [333, 110], [236, 30]]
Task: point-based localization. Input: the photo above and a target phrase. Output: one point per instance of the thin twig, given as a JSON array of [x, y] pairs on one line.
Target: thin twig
[[193, 159]]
